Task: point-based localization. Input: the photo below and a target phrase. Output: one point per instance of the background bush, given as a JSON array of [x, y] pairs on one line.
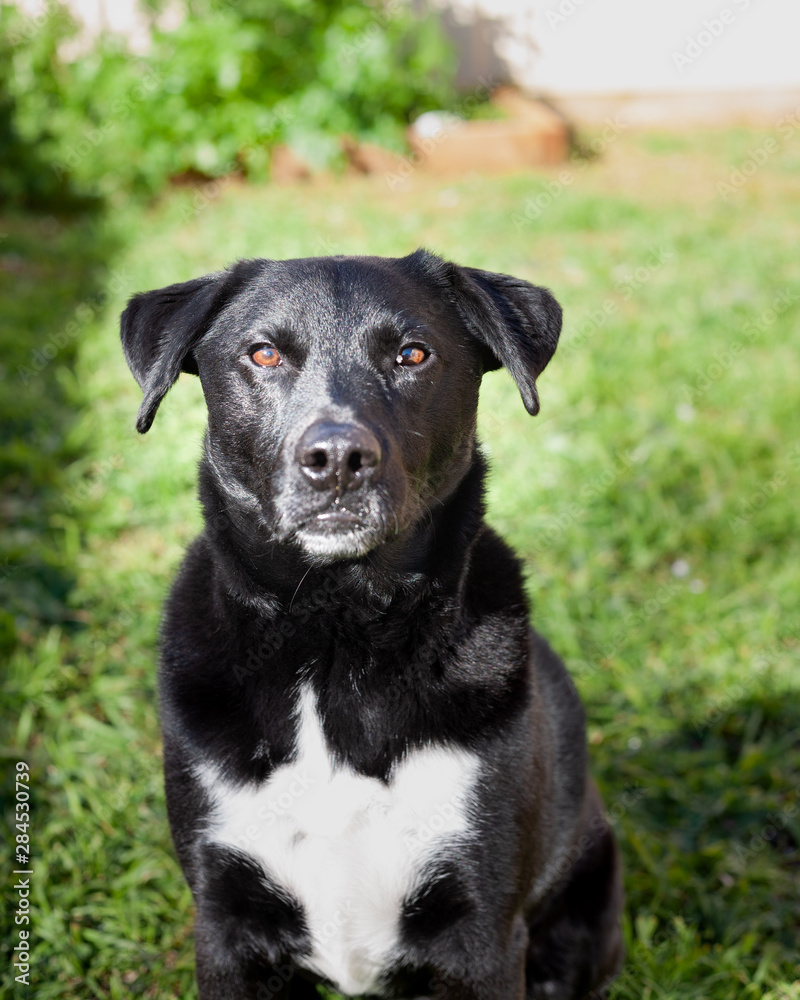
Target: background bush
[[30, 97], [214, 95]]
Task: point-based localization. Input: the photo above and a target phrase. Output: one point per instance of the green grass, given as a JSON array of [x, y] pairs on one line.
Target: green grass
[[654, 500]]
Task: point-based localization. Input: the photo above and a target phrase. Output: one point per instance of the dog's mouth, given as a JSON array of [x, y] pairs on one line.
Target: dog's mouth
[[334, 520], [336, 532]]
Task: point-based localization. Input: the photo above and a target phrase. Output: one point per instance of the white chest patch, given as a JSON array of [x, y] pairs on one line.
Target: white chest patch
[[348, 848]]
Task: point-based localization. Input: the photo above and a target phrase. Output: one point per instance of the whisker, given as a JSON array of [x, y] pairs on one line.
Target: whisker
[[299, 585]]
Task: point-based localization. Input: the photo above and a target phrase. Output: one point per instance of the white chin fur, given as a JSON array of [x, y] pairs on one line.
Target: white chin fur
[[343, 545]]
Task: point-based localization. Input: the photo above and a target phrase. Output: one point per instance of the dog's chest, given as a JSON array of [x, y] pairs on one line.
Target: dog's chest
[[350, 849]]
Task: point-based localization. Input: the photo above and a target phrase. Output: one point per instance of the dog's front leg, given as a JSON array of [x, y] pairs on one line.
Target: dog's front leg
[[221, 974], [501, 978], [229, 973]]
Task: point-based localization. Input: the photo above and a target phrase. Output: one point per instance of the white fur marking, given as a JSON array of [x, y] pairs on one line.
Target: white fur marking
[[349, 848]]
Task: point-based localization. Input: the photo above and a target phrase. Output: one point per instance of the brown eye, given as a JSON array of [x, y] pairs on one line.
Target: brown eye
[[412, 354], [266, 357]]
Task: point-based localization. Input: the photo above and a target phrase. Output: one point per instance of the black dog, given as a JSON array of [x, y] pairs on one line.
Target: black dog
[[375, 772]]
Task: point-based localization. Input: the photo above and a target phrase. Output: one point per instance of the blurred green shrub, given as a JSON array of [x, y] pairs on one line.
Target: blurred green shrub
[[211, 96], [31, 82]]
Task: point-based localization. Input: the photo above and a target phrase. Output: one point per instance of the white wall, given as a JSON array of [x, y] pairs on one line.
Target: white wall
[[644, 46]]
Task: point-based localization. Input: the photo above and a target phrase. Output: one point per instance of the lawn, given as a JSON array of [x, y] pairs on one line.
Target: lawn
[[654, 501]]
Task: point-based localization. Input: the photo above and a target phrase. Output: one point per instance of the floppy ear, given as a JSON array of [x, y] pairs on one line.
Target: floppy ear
[[160, 328], [516, 323]]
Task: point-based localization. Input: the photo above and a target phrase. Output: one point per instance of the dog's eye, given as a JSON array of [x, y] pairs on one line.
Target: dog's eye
[[265, 357], [412, 354]]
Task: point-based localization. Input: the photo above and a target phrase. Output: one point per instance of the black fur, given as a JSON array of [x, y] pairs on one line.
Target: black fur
[[411, 627]]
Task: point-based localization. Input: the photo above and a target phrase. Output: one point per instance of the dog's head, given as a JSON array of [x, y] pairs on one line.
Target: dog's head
[[342, 391]]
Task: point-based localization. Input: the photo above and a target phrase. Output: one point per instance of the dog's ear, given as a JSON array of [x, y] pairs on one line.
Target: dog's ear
[[516, 323], [160, 328]]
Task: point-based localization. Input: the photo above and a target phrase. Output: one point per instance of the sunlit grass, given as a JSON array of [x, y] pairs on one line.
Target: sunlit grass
[[654, 500]]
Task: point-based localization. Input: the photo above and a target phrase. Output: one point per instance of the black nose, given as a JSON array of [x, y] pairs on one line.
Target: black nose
[[338, 456]]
